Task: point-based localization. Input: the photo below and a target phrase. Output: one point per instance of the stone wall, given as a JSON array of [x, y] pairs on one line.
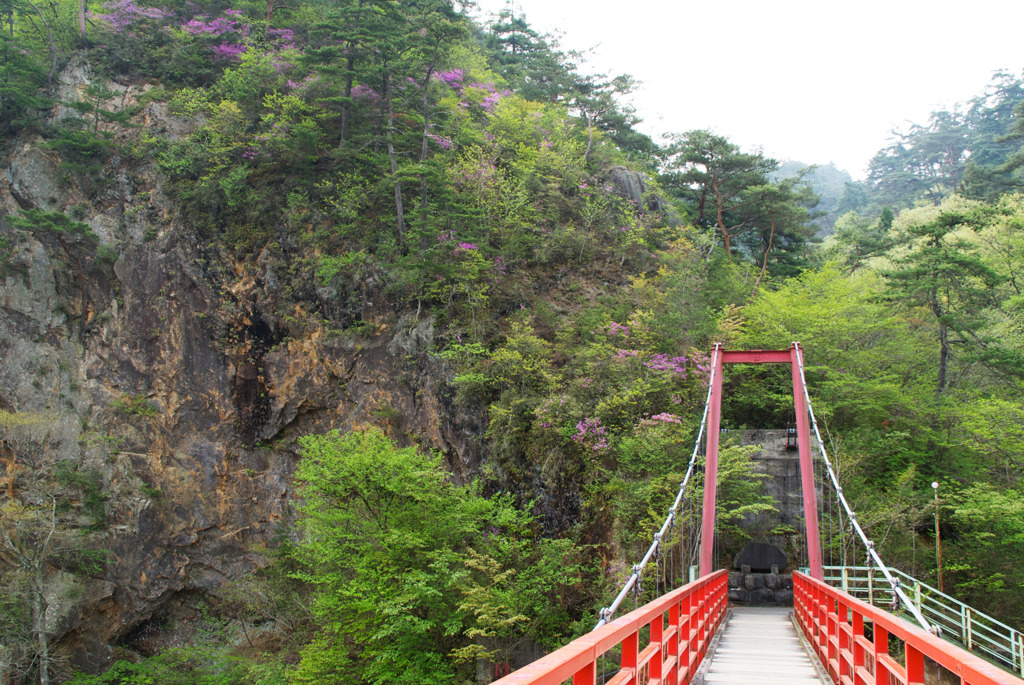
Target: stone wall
[[782, 484], [782, 467], [761, 588]]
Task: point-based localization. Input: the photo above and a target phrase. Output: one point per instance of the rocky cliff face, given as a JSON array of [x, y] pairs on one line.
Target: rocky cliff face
[[187, 379]]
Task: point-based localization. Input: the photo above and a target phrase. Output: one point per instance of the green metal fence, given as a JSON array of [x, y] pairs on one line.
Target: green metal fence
[[976, 632]]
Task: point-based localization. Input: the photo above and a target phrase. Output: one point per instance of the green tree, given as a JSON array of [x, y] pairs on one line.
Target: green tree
[[715, 176], [200, 664], [990, 539], [596, 98], [406, 41], [854, 198], [37, 529], [334, 46], [974, 149], [441, 28], [529, 62], [97, 94], [926, 162], [991, 115], [373, 519], [781, 232], [740, 494], [944, 272], [993, 118], [51, 42], [861, 239], [857, 348], [22, 77], [992, 428], [409, 568], [1004, 176]]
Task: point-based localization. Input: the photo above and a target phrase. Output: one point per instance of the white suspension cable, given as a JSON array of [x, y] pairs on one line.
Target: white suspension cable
[[607, 612], [868, 544]]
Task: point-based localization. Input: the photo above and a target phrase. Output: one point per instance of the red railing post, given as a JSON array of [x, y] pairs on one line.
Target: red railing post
[[881, 648], [844, 651], [823, 614], [808, 600], [833, 637], [586, 675], [697, 611], [915, 665], [861, 657], [694, 631], [630, 652], [658, 640], [672, 648], [706, 618], [685, 655]]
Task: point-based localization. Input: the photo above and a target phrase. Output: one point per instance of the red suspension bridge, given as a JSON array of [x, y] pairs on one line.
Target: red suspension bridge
[[689, 634]]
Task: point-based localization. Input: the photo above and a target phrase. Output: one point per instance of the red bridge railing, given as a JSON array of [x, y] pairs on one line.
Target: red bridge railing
[[835, 622], [681, 624]]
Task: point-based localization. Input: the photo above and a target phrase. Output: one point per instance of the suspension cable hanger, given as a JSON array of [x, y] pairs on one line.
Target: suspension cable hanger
[[633, 580], [898, 593]]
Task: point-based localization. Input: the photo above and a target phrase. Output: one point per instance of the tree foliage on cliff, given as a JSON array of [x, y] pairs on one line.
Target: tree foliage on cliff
[[44, 531], [415, 577]]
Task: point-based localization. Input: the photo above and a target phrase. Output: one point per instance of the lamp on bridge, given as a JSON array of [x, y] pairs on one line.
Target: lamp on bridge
[[791, 444], [938, 539]]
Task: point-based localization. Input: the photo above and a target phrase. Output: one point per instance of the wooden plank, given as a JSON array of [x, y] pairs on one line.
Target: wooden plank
[[760, 645]]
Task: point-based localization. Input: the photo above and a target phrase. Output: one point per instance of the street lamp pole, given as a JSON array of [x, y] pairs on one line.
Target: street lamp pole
[[938, 539]]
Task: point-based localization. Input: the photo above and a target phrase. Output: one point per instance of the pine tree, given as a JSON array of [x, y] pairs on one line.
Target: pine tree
[[945, 274]]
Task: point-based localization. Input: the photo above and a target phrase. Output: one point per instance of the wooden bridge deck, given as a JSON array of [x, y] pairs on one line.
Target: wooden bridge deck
[[760, 645]]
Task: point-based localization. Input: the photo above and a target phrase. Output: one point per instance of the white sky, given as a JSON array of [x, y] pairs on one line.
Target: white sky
[[818, 82]]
